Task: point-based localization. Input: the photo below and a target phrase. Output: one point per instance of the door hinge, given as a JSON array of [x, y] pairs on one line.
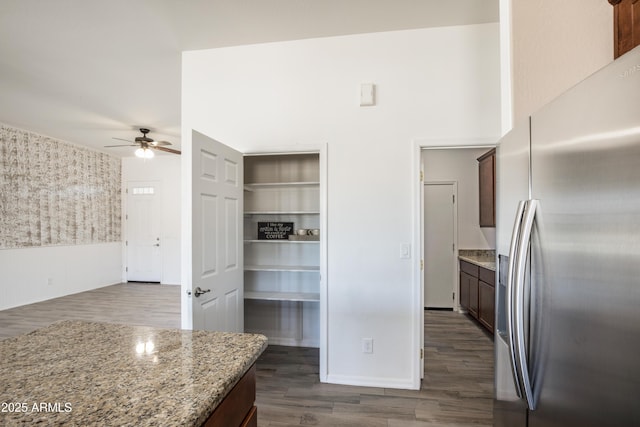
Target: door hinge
[[421, 353]]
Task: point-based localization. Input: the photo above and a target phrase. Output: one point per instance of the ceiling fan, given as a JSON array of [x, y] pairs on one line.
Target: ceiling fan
[[146, 145]]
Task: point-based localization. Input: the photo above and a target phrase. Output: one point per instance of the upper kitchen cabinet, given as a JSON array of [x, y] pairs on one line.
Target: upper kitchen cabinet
[[626, 26], [487, 196]]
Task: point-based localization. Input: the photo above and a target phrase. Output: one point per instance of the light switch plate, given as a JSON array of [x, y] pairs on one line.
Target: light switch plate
[[405, 251], [367, 345], [367, 94]]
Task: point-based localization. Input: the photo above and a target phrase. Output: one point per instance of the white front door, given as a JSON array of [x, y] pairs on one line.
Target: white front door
[[217, 291], [143, 243], [439, 244]]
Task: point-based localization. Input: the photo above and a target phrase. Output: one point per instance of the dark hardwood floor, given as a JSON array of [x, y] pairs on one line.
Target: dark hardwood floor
[[457, 389]]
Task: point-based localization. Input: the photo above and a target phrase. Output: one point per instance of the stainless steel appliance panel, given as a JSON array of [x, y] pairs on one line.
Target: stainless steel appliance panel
[[512, 186], [585, 283]]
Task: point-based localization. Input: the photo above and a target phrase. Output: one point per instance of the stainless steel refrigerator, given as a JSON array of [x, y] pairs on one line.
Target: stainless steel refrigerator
[[568, 244]]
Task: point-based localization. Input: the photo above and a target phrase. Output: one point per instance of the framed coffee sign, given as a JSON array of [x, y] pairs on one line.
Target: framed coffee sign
[[274, 230]]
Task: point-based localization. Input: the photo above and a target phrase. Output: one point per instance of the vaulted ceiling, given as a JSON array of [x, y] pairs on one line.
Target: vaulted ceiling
[[88, 71]]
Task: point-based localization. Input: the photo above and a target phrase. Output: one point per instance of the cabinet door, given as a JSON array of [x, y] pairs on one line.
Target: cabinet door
[[464, 290], [473, 296], [626, 26], [486, 304], [487, 198]]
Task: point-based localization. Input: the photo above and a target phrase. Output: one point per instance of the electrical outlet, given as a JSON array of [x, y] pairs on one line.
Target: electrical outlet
[[367, 345]]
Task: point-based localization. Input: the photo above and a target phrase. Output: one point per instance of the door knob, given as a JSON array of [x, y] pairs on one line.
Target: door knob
[[198, 291]]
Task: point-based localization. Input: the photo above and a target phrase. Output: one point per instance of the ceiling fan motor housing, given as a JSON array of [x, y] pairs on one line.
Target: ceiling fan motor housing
[[144, 137]]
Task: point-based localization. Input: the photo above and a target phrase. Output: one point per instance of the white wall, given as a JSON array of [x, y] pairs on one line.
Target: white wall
[[166, 170], [36, 274], [554, 45], [461, 165], [439, 82]]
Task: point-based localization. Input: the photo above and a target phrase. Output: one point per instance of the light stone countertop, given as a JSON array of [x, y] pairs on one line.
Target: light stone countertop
[[482, 258], [87, 373]]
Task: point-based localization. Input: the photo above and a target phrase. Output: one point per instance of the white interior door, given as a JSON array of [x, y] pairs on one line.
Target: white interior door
[[143, 244], [439, 244], [217, 294]]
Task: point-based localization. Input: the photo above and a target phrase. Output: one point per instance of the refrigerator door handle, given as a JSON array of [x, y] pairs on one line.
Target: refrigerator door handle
[[519, 298], [513, 255]]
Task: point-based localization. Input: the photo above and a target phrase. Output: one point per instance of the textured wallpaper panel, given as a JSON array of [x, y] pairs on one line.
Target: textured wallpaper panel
[[55, 193]]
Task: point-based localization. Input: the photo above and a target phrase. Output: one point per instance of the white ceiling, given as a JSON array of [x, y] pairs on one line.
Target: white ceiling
[[86, 71]]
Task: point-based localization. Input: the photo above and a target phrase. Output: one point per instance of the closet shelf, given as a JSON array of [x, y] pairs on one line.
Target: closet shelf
[[259, 185], [282, 241], [247, 213], [302, 268], [282, 296]]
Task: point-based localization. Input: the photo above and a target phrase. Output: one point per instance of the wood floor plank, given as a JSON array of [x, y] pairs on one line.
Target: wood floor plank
[[130, 303], [457, 389]]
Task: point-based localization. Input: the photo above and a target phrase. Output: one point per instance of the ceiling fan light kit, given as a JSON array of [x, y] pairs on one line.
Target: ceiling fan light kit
[[146, 145], [144, 153]]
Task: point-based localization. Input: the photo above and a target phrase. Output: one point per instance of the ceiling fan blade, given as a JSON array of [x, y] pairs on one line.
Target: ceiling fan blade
[[121, 139], [157, 143], [168, 150], [125, 145]]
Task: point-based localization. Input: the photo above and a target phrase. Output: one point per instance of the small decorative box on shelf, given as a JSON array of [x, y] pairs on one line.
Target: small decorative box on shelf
[[303, 238]]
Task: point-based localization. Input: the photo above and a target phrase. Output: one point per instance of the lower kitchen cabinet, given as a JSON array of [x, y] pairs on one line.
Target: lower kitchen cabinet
[[464, 289], [486, 298], [477, 293]]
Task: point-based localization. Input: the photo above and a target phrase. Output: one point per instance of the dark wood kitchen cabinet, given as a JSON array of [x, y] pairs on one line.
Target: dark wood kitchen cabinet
[[468, 287], [626, 25], [486, 298], [487, 188], [477, 293]]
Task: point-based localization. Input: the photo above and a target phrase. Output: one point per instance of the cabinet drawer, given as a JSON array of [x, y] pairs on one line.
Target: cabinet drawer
[[487, 276], [469, 268]]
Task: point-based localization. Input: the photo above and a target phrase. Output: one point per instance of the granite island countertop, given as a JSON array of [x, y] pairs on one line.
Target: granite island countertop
[[482, 257], [87, 373]]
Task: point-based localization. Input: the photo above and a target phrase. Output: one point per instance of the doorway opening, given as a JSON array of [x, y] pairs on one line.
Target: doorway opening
[[434, 163], [272, 194]]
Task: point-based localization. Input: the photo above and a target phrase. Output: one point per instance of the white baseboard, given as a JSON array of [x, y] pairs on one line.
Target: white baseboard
[[290, 342], [405, 384]]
